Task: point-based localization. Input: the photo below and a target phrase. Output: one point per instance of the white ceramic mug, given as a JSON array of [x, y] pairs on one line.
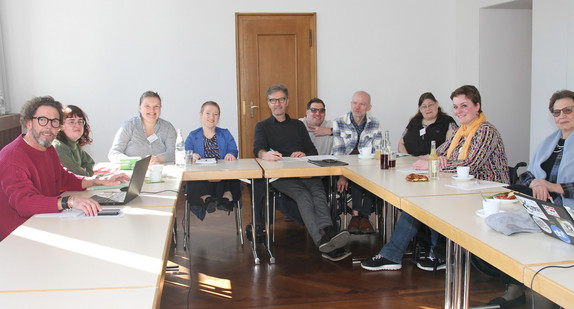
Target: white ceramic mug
[[462, 172], [155, 173], [366, 151], [490, 206]]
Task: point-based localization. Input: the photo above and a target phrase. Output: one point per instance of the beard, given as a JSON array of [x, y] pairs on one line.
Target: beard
[[44, 141]]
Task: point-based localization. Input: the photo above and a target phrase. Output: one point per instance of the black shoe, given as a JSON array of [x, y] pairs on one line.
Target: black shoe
[[504, 304], [337, 254], [332, 240], [224, 204], [259, 233], [210, 204], [378, 262], [431, 264]]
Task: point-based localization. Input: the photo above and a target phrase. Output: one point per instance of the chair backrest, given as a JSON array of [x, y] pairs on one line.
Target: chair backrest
[[513, 172]]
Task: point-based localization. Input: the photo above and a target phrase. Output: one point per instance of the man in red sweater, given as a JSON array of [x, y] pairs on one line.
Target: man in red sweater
[[31, 176]]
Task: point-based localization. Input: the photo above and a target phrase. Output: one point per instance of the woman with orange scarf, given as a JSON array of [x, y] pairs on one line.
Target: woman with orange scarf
[[476, 144]]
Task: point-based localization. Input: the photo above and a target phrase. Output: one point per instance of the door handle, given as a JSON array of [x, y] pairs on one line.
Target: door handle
[[252, 107]]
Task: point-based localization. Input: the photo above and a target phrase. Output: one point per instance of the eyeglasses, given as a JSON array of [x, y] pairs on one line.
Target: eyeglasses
[[430, 105], [73, 122], [315, 110], [565, 110], [280, 100], [43, 121]]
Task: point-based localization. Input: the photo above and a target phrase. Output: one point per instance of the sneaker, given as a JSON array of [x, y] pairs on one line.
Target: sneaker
[[354, 225], [431, 264], [337, 254], [259, 233], [378, 262], [337, 240], [210, 204]]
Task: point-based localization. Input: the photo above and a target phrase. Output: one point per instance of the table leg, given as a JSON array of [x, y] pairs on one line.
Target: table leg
[[268, 242], [457, 277], [254, 240]]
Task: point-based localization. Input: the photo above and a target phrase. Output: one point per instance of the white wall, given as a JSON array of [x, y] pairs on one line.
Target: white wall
[[504, 69], [552, 61], [101, 55]]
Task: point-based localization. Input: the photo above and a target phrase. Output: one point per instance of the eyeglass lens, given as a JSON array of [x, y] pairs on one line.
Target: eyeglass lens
[[72, 122], [280, 100], [43, 121], [314, 110], [565, 110]]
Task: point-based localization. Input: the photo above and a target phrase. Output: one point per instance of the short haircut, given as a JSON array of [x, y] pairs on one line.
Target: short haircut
[[277, 87], [69, 112], [150, 94], [315, 100], [470, 92], [32, 105], [561, 94]]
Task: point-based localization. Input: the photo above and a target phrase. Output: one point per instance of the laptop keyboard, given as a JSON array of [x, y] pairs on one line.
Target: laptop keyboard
[[110, 197]]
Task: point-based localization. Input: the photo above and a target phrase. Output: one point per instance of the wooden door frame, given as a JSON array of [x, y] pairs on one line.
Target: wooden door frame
[[313, 63]]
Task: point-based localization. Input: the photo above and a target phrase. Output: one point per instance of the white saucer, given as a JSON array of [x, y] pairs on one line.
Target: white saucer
[[455, 177], [367, 156], [481, 214]]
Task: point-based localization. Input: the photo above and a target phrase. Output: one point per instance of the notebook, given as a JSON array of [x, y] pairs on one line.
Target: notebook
[[134, 188], [554, 220]]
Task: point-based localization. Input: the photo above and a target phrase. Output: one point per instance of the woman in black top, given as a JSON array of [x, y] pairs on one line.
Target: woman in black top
[[430, 123]]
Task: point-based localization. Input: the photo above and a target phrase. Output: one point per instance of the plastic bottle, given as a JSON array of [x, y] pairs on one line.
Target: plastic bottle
[[179, 150], [433, 162]]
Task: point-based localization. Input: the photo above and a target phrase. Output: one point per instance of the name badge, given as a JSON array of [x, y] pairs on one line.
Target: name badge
[[423, 131], [152, 138]]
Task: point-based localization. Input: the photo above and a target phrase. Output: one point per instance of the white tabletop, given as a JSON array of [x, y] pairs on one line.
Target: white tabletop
[[236, 169], [91, 253], [455, 217], [137, 298], [554, 283], [391, 184]]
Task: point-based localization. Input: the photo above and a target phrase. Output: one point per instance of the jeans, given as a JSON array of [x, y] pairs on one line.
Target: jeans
[[407, 228]]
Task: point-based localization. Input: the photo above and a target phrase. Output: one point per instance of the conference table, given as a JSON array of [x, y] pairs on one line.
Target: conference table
[[63, 261], [92, 260]]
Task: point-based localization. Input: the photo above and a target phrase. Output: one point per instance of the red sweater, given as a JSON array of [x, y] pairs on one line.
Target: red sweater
[[30, 183]]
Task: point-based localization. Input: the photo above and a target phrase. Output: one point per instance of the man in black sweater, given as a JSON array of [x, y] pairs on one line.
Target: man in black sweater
[[279, 136]]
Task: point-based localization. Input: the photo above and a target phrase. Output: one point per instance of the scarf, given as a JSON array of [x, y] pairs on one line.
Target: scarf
[[468, 132]]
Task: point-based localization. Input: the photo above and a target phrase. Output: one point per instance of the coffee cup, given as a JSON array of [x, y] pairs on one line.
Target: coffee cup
[[155, 173], [490, 206], [366, 151], [462, 172]]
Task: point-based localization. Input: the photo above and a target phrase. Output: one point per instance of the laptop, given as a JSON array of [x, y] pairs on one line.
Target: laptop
[[134, 188], [554, 220]]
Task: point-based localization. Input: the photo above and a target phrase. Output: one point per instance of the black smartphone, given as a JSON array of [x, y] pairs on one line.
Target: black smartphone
[[329, 160], [109, 212]]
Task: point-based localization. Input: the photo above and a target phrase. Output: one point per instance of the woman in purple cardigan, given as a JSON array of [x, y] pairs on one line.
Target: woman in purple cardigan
[[210, 141]]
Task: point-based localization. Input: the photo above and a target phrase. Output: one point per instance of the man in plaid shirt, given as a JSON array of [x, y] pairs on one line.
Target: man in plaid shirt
[[352, 131]]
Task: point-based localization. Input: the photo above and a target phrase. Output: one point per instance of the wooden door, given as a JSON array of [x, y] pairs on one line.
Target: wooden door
[[273, 49]]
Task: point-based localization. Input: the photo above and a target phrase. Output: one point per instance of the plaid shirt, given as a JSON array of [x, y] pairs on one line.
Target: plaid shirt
[[345, 134]]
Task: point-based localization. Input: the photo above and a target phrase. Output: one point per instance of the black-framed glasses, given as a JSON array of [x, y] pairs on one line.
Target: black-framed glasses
[[320, 110], [72, 122], [43, 121], [280, 100], [565, 110]]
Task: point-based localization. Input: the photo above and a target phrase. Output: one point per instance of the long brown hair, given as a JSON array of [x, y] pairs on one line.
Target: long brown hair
[[69, 112]]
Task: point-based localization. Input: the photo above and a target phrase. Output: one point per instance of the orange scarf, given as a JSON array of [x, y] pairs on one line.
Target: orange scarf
[[468, 132]]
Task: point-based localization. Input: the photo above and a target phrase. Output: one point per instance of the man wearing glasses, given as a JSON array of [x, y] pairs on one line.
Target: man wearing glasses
[[279, 136], [353, 131], [320, 130], [32, 178]]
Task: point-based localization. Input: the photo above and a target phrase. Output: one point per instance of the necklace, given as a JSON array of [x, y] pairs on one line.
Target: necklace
[[558, 148]]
